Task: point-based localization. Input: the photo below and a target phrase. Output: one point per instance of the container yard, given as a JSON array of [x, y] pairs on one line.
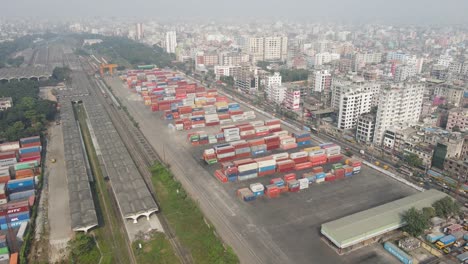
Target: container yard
[[20, 166], [236, 168]]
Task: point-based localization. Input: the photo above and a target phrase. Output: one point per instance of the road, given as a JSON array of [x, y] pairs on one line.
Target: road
[[58, 210]]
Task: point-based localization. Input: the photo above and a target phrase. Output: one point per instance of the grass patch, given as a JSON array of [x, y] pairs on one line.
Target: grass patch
[[156, 249], [83, 250], [187, 220], [111, 239]]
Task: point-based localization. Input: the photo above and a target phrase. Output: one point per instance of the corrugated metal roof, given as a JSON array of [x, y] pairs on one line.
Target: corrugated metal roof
[[361, 226]]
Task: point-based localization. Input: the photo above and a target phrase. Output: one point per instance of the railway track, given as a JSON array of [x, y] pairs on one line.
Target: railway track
[[142, 154]]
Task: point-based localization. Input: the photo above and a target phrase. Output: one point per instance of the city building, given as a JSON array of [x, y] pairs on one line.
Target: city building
[[365, 128], [325, 57], [5, 103], [206, 58], [320, 81], [139, 31], [233, 58], [274, 79], [246, 79], [424, 151], [221, 70], [276, 93], [355, 83], [456, 168], [292, 99], [171, 41], [399, 103], [403, 72], [458, 117], [362, 59], [267, 48], [452, 92]]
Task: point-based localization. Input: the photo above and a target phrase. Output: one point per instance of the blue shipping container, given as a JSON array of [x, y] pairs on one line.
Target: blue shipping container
[[398, 253], [259, 193], [20, 189], [30, 150], [13, 224], [249, 172], [30, 140], [304, 143], [267, 168], [348, 174], [232, 179], [21, 195], [14, 184], [320, 175], [311, 179]]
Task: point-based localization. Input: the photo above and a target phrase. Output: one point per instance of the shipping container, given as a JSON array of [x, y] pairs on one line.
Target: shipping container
[[398, 253]]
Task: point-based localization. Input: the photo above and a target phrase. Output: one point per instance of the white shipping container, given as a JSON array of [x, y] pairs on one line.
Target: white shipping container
[[288, 141], [234, 129], [257, 187], [317, 152], [226, 155], [247, 133], [281, 133], [9, 146], [167, 98], [212, 141], [198, 125], [247, 167], [261, 129], [241, 141], [257, 123], [209, 151], [231, 138], [320, 180], [274, 126], [297, 155], [2, 188], [279, 156], [249, 113], [3, 201], [225, 121], [333, 152], [179, 127], [207, 116], [249, 117], [8, 162], [266, 163], [358, 168], [303, 184]]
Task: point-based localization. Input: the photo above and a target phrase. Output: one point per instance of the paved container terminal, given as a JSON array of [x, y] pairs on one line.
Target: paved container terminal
[[367, 224], [282, 230]]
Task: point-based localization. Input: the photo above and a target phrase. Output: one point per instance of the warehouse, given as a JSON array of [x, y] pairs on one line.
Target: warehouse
[[358, 227]]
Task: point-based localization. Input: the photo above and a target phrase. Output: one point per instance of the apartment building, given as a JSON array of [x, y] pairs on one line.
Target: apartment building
[[399, 103], [320, 81], [365, 128], [171, 41], [458, 117], [267, 48]]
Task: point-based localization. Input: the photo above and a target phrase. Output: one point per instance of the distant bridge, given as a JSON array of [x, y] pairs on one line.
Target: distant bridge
[[29, 73]]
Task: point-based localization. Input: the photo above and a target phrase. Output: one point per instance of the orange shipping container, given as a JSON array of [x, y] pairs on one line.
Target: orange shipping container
[[20, 174], [14, 258]]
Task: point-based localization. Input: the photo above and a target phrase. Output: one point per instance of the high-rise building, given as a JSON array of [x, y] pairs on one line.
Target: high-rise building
[[365, 128], [246, 79], [267, 48], [458, 117], [171, 41], [399, 103], [139, 31], [276, 93], [342, 85], [351, 102], [274, 79], [292, 99], [320, 81]]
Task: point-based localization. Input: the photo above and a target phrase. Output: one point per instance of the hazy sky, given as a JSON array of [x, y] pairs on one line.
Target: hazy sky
[[397, 11]]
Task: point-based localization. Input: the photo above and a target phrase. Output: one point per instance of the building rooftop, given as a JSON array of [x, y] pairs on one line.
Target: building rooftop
[[355, 228]]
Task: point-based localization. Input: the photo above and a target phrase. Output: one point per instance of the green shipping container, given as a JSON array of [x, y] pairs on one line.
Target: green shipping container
[[26, 165], [337, 166], [4, 251]]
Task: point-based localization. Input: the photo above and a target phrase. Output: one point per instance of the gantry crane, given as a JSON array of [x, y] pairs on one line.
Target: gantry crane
[[110, 67]]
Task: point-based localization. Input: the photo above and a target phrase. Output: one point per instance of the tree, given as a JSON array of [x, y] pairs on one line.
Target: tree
[[416, 222], [456, 129], [413, 160], [229, 80], [446, 207], [429, 212], [348, 153], [61, 73]]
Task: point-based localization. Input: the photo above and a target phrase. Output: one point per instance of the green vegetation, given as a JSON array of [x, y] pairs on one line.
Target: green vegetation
[[446, 207], [416, 222], [28, 115], [83, 250], [111, 238], [229, 80], [187, 220], [15, 62], [156, 249], [7, 48], [294, 75], [413, 160], [134, 52], [59, 74]]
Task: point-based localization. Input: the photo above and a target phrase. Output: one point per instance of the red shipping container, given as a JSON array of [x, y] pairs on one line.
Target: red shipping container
[[236, 112], [226, 159], [272, 130], [256, 142], [272, 122], [226, 149], [320, 162], [317, 169], [240, 145], [262, 134], [335, 158], [330, 177], [301, 160], [203, 142], [223, 116], [241, 162], [303, 139], [272, 191], [9, 154], [246, 128], [289, 177], [4, 179], [213, 123], [303, 166], [283, 189], [220, 176], [243, 155], [31, 159], [264, 173], [272, 147], [339, 173]]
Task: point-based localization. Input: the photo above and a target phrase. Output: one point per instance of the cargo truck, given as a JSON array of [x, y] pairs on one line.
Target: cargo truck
[[445, 242]]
